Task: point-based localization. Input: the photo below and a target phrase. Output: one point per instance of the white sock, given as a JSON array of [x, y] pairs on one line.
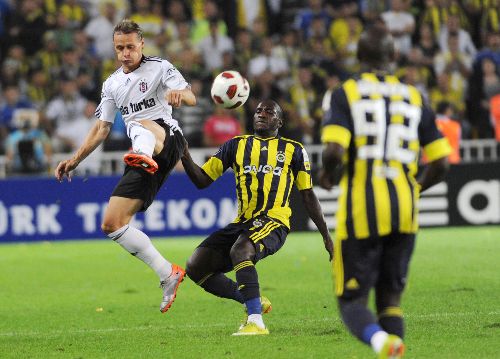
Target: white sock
[[257, 319], [139, 245], [143, 140], [377, 340]]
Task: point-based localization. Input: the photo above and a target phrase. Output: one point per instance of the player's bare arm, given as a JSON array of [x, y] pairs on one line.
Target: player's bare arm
[[313, 208], [433, 173], [175, 98], [331, 172], [97, 134], [195, 172]]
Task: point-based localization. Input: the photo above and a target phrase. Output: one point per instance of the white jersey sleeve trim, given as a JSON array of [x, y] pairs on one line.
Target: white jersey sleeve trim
[[106, 111]]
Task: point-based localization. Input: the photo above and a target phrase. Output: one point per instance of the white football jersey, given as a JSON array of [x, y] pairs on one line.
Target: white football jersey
[[140, 94]]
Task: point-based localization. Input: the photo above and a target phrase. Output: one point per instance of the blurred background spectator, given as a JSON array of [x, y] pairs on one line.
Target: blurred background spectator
[[28, 148], [220, 127], [54, 56], [450, 128], [192, 118]]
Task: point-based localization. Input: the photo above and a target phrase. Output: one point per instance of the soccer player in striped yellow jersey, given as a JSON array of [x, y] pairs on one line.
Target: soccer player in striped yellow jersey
[[266, 166], [373, 132]]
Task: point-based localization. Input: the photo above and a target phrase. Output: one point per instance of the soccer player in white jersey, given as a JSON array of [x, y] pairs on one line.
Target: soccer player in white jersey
[[144, 89]]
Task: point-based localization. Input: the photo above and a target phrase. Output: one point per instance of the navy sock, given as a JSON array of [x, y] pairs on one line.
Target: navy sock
[[368, 332], [358, 319], [254, 306]]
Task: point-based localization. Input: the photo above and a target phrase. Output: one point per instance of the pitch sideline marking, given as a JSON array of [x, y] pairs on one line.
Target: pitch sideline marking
[[109, 330]]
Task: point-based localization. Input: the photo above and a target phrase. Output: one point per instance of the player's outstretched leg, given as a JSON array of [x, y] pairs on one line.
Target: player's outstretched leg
[[115, 224], [169, 286], [140, 246]]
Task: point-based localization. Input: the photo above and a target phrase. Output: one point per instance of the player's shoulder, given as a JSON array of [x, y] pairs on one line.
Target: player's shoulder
[[240, 137], [153, 59], [156, 61], [234, 141], [293, 142], [113, 77], [352, 79], [160, 64]]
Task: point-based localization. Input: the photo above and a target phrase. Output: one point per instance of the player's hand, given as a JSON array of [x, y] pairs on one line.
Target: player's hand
[[64, 168], [327, 241], [325, 180], [174, 97]]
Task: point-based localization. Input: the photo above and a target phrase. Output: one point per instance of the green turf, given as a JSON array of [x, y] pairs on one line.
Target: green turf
[[91, 300]]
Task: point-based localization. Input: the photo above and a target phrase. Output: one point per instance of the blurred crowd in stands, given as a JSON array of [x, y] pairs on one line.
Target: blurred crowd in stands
[[55, 54]]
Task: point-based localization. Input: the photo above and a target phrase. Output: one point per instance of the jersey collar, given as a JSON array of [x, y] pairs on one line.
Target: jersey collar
[[267, 138]]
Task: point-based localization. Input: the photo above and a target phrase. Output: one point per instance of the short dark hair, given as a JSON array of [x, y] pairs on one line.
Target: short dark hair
[[376, 46], [276, 105], [127, 26]]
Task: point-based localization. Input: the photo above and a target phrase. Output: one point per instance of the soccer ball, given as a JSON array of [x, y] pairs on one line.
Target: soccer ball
[[230, 89]]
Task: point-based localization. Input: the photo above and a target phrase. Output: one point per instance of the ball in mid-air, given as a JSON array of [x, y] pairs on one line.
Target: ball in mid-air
[[230, 89]]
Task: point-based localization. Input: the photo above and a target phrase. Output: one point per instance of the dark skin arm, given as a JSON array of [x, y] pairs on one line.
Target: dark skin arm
[[196, 174], [331, 172], [316, 214], [433, 173]]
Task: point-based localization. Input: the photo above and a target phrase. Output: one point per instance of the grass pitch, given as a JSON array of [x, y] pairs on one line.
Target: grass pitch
[[90, 299]]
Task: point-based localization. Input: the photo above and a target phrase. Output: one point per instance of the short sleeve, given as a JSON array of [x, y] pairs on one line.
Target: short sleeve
[[337, 126], [302, 169], [106, 111], [172, 78], [223, 159], [434, 144]]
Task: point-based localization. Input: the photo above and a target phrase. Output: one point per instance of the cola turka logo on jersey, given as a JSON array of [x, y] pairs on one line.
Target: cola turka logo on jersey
[[139, 106], [262, 168], [143, 86]]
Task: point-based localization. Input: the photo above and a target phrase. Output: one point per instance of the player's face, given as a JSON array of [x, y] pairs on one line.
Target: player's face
[[266, 120], [128, 48]]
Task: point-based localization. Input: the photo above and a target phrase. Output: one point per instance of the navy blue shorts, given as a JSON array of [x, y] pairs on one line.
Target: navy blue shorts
[[380, 262], [267, 235], [138, 184]]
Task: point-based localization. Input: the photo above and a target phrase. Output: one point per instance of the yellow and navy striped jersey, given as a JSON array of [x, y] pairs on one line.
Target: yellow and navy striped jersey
[[382, 123], [265, 170]]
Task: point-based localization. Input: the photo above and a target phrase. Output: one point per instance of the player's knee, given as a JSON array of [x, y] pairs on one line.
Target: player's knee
[[109, 226], [193, 269], [240, 252]]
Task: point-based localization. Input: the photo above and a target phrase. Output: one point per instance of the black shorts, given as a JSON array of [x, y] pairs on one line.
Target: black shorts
[[138, 184], [266, 234], [382, 263]]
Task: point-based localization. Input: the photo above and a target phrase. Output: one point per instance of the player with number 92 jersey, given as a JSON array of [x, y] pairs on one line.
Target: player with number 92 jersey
[[382, 124]]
